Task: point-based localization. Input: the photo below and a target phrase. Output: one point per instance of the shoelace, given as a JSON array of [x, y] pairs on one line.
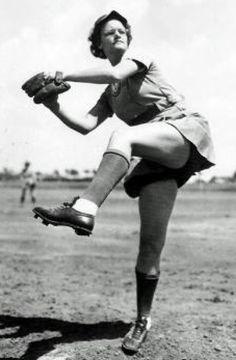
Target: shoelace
[[139, 328], [66, 204], [61, 207], [69, 204]]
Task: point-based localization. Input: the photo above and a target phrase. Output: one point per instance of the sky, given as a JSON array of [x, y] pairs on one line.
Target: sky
[[192, 40]]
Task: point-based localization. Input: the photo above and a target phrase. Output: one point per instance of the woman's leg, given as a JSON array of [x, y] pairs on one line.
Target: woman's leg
[[23, 195], [158, 142], [113, 167], [32, 189], [155, 206]]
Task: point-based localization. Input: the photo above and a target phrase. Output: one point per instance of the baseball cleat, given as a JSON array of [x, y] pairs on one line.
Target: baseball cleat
[[65, 215], [136, 335]]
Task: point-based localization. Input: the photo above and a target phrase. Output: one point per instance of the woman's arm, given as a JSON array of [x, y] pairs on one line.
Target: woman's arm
[[81, 124], [105, 74]]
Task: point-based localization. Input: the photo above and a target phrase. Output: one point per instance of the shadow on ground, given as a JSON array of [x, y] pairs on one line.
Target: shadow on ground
[[69, 332]]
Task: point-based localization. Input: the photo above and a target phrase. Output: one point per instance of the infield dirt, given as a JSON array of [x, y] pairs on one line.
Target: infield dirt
[[69, 297]]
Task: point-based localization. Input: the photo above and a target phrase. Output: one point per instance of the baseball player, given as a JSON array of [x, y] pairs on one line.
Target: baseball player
[[162, 145], [29, 180]]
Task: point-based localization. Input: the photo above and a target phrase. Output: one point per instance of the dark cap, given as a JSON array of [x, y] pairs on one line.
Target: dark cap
[[113, 15]]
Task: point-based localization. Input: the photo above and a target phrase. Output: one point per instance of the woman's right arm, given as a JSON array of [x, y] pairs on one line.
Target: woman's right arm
[[82, 124]]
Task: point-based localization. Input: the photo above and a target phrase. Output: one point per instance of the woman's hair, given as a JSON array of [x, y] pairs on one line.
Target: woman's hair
[[95, 34]]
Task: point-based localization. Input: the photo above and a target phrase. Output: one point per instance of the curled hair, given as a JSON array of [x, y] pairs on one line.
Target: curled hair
[[95, 37]]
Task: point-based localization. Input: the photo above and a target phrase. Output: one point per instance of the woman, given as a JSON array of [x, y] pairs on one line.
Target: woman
[[161, 147]]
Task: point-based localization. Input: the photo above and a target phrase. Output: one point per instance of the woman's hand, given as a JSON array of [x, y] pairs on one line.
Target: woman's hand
[[51, 102], [50, 75], [55, 75]]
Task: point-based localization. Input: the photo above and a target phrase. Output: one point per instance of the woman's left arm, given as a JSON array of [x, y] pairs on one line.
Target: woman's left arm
[[106, 74]]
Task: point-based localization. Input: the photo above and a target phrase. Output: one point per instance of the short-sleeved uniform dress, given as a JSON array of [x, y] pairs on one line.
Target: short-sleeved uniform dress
[[147, 97]]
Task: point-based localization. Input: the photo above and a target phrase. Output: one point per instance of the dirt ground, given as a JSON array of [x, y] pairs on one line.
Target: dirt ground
[[69, 297]]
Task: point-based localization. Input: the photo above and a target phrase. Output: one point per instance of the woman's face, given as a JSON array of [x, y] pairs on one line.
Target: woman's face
[[113, 38]]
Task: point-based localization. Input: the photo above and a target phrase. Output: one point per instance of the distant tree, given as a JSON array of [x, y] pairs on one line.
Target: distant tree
[[56, 173], [234, 176], [8, 174], [72, 172]]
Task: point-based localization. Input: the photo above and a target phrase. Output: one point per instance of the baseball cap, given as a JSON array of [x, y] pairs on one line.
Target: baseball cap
[[112, 15]]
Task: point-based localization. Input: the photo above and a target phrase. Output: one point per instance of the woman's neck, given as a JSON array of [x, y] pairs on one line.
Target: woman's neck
[[115, 58]]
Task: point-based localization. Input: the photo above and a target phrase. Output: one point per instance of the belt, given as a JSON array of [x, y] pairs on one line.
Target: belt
[[146, 116]]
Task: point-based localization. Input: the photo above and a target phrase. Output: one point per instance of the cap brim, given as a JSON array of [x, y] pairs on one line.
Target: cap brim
[[112, 15]]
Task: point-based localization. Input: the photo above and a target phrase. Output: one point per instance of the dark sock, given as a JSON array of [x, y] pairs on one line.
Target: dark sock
[[113, 167], [146, 286]]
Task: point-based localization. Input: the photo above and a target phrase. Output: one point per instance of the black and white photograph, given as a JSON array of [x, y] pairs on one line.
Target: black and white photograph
[[117, 180]]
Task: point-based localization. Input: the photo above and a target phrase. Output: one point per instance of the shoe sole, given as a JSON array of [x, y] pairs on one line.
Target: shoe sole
[[78, 229], [129, 351]]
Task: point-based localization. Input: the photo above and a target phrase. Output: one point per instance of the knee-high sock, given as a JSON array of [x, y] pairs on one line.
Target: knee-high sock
[[112, 168], [146, 286]]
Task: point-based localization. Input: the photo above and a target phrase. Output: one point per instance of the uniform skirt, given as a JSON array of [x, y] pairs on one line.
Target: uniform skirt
[[194, 127]]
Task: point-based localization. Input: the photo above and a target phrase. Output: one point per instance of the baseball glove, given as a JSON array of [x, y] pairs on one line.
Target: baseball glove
[[42, 86]]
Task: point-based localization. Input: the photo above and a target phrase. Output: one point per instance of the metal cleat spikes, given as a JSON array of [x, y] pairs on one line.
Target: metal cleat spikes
[[82, 232]]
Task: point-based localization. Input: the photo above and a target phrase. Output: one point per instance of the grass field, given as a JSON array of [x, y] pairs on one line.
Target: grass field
[[68, 297]]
